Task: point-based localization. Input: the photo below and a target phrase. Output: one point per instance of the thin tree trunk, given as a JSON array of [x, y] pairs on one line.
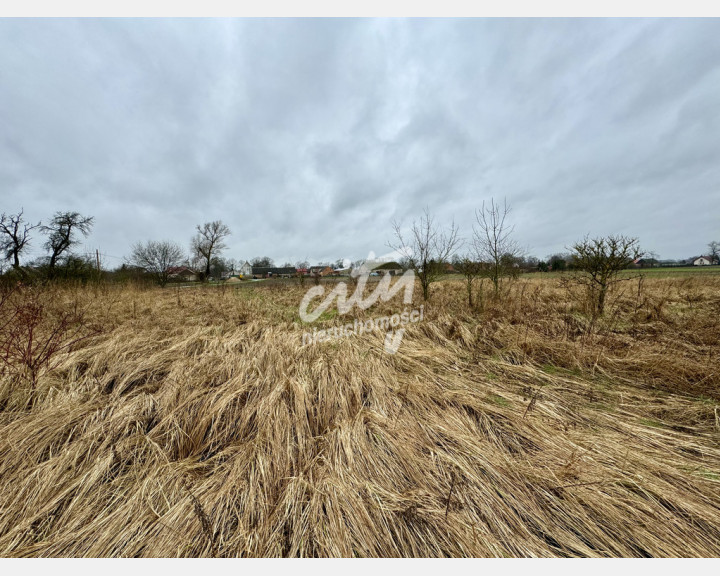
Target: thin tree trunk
[[601, 300]]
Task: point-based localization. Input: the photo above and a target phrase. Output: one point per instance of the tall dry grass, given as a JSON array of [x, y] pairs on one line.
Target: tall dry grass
[[193, 423]]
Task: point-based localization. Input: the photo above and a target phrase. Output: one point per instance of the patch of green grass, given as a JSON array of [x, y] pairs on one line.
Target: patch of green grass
[[652, 423], [702, 472], [552, 369], [321, 321], [676, 271], [499, 400], [708, 475], [328, 315]]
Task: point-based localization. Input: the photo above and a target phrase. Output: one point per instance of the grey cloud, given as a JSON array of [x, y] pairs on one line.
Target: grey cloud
[[307, 137]]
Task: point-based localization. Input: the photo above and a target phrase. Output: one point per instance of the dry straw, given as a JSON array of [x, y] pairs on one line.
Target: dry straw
[[193, 423]]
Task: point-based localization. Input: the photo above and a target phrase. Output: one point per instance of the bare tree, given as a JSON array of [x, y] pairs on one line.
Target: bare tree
[[209, 242], [233, 265], [14, 236], [262, 262], [714, 254], [651, 259], [600, 261], [470, 269], [62, 234], [493, 243], [427, 248], [157, 258]]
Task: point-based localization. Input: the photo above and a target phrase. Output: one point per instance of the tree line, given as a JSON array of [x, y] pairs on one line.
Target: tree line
[[490, 253], [66, 229], [62, 232]]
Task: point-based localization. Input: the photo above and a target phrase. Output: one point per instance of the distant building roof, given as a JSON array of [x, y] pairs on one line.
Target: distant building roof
[[178, 270], [322, 270], [265, 270], [388, 266]]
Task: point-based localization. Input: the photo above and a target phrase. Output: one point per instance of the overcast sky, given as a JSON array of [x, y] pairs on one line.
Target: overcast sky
[[307, 137]]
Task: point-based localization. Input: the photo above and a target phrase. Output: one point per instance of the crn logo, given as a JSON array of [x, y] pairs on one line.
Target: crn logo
[[383, 291]]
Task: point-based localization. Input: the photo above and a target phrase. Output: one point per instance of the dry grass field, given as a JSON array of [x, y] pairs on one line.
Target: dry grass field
[[191, 422]]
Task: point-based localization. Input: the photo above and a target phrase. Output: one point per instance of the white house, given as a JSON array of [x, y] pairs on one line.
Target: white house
[[245, 269], [702, 261]]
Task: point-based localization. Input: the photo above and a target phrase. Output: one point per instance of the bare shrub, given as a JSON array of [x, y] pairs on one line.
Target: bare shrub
[[33, 335], [427, 248], [599, 261]]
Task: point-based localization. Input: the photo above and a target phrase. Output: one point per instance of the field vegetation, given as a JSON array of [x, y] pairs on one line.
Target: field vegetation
[[138, 421]]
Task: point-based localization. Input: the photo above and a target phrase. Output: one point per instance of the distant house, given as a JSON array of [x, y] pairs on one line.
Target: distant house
[[182, 274], [245, 269], [272, 272], [702, 261], [391, 268], [645, 263], [320, 271]]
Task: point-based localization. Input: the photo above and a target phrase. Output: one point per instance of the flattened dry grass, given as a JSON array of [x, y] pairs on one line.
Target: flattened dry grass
[[195, 424]]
